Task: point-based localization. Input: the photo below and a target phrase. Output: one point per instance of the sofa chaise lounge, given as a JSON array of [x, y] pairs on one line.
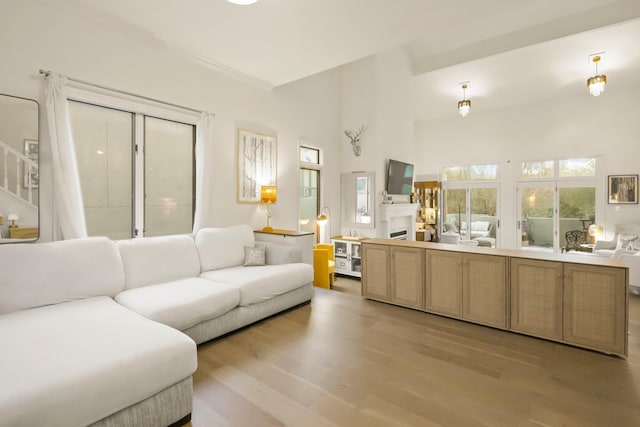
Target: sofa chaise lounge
[[95, 332]]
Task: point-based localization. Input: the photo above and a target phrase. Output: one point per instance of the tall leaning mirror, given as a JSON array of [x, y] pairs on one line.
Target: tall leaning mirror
[[357, 193], [19, 166]]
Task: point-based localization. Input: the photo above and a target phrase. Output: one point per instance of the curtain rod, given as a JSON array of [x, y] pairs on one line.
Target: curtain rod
[[48, 72]]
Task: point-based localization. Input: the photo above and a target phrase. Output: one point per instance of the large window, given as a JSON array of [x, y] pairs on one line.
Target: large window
[[555, 197], [309, 188], [136, 171], [470, 195]]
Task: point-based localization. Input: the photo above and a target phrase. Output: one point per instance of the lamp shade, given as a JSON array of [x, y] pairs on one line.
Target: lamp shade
[[322, 219], [596, 84], [464, 107], [596, 230], [268, 194], [13, 217]]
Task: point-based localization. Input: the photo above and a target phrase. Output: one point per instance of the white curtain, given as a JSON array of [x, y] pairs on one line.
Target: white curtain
[[204, 171], [68, 208]]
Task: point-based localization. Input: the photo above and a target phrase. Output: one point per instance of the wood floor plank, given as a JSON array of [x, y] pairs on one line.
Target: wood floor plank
[[343, 360], [266, 398]]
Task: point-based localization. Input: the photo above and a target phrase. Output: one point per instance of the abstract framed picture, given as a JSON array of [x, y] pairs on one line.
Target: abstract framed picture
[[256, 164], [623, 189], [31, 176]]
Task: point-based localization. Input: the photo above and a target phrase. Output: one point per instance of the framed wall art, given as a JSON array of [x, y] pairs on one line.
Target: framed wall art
[[256, 164], [623, 189], [31, 175]]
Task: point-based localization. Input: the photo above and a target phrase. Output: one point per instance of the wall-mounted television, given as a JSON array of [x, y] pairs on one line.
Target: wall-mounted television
[[399, 177]]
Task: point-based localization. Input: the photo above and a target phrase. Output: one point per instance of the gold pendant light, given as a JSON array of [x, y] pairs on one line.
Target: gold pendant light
[[464, 105], [596, 83]]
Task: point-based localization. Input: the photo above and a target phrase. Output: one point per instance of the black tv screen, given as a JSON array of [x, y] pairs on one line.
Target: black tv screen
[[399, 177]]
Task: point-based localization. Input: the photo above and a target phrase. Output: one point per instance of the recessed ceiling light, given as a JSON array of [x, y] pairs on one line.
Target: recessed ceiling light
[[242, 2]]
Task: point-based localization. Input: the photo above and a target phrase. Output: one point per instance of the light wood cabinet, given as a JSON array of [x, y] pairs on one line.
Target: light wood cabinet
[[393, 275], [484, 289], [536, 297], [582, 302], [467, 286], [443, 282], [407, 277], [595, 302], [375, 269]]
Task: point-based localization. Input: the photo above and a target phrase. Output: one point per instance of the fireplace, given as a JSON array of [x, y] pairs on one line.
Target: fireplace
[[400, 234], [398, 221]]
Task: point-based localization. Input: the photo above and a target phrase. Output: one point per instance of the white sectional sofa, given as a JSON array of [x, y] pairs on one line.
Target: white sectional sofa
[[94, 332], [625, 245]]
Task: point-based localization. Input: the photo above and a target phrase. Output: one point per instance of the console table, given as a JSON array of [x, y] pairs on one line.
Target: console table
[[577, 300], [299, 239]]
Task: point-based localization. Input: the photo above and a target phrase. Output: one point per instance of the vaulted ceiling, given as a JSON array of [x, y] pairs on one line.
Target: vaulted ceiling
[[496, 44]]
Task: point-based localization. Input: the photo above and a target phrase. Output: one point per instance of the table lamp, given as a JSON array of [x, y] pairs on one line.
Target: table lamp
[[13, 218], [268, 196], [596, 231]]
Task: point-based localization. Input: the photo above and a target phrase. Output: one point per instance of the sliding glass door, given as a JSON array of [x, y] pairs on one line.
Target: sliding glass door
[[472, 211], [548, 210]]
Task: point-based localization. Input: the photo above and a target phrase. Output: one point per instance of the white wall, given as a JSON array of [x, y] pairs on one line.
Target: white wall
[[37, 35], [376, 93], [606, 126]]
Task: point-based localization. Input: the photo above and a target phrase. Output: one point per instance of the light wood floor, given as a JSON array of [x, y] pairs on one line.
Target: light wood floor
[[347, 361]]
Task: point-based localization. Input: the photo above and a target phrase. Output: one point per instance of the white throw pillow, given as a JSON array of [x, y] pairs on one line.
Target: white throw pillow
[[254, 256], [625, 241], [634, 245]]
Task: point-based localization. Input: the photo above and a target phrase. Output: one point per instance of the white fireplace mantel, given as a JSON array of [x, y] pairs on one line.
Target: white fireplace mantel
[[397, 216]]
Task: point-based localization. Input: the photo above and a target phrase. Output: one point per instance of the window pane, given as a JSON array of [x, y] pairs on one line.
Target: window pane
[[577, 167], [310, 155], [537, 217], [103, 141], [484, 172], [455, 211], [577, 211], [483, 215], [169, 177], [537, 169], [309, 203], [454, 173]]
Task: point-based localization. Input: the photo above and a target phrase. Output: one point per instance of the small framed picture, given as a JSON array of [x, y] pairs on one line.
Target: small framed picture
[[31, 175], [623, 189]]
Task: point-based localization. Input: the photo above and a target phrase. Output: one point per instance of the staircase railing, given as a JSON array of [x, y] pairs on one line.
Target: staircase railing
[[26, 174]]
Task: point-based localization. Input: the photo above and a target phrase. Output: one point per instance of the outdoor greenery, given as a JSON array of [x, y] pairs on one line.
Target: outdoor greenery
[[575, 202]]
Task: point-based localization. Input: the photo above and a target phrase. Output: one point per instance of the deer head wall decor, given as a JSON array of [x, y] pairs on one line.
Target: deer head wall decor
[[354, 136]]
